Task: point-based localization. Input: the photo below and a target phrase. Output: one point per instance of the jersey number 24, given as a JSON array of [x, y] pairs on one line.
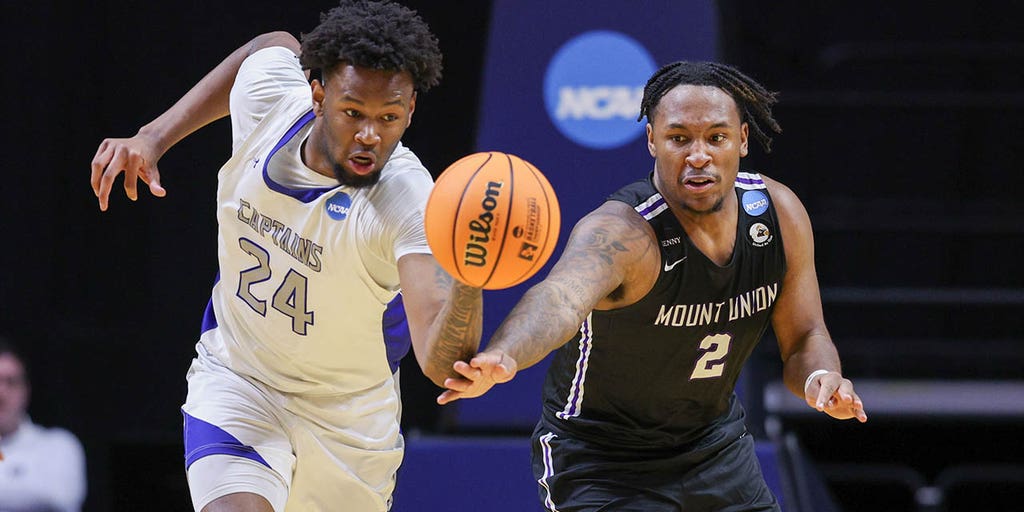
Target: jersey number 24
[[290, 297]]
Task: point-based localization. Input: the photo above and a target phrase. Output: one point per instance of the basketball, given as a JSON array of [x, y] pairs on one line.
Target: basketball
[[492, 220]]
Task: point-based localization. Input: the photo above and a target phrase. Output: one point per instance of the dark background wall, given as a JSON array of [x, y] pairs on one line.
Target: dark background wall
[[902, 135]]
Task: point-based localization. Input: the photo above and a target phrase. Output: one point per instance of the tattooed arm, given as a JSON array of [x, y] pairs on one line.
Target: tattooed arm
[[610, 261], [601, 267], [445, 316]]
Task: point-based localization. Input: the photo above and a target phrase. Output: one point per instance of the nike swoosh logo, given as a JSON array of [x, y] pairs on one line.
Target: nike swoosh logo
[[671, 266]]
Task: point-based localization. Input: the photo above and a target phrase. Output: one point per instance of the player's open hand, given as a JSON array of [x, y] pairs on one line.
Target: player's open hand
[[478, 376], [136, 157], [832, 394]]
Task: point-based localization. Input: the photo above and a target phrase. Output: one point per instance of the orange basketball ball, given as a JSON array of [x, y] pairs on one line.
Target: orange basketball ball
[[492, 220]]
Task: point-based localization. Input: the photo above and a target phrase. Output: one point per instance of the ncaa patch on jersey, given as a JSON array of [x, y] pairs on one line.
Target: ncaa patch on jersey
[[338, 206], [760, 235], [755, 202]]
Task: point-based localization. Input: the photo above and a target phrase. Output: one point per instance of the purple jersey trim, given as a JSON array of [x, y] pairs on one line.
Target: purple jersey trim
[[209, 317], [749, 181], [304, 195], [575, 398], [397, 339], [203, 439], [549, 468], [651, 207]]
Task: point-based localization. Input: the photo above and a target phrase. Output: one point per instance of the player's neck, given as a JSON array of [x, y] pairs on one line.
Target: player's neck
[[312, 158], [713, 233]]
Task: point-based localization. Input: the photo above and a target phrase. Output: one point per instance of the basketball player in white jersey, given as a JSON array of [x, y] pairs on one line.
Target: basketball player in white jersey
[[293, 397]]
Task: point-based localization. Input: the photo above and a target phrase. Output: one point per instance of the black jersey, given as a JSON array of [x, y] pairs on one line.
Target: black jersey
[[661, 372]]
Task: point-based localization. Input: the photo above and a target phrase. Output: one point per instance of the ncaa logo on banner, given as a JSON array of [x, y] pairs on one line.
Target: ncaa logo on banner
[[593, 87]]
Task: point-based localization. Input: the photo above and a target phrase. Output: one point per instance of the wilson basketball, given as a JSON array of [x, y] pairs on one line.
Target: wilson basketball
[[492, 220]]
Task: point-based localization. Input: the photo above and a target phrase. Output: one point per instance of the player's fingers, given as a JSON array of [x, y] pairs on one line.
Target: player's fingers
[[132, 172], [117, 163], [153, 179], [466, 370], [105, 169], [858, 410], [845, 391], [856, 405], [485, 359], [99, 163], [447, 396], [502, 373], [844, 410], [824, 394], [507, 368]]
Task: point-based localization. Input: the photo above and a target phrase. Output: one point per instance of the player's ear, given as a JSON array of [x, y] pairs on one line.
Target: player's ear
[[744, 138], [317, 90], [650, 141]]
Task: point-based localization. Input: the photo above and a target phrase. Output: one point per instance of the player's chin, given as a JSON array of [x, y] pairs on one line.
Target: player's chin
[[346, 177]]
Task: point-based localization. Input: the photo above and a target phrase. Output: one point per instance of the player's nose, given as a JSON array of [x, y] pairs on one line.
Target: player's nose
[[367, 135]]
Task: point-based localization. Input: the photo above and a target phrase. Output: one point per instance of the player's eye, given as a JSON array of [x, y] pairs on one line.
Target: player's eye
[[352, 112]]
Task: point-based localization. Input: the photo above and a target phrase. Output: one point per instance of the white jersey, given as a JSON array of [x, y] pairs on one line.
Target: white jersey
[[307, 266]]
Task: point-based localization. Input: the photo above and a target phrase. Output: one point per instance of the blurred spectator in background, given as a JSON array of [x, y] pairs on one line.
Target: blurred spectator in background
[[43, 469]]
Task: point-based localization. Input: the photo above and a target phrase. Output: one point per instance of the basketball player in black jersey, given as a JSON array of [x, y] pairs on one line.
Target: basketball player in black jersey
[[662, 293]]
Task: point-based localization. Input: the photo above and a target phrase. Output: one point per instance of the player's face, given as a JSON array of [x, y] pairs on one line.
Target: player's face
[[361, 116], [13, 393], [697, 140]]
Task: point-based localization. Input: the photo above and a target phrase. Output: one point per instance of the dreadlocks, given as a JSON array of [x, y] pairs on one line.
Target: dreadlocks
[[377, 35], [754, 101]]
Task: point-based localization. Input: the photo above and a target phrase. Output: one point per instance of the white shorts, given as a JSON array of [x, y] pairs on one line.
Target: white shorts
[[300, 453]]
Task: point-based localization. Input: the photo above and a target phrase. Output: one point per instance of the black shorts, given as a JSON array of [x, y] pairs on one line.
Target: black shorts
[[576, 476]]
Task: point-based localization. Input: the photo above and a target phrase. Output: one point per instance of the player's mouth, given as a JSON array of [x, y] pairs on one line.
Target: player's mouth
[[362, 163], [699, 183]]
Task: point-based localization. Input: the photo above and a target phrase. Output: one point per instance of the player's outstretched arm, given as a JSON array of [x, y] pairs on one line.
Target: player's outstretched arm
[[602, 253], [445, 316], [206, 102], [811, 366]]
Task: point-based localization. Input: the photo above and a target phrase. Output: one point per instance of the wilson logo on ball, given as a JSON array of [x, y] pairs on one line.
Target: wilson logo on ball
[[480, 227], [492, 220]]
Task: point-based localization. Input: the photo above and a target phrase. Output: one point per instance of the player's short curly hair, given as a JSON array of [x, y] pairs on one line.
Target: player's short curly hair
[[376, 34]]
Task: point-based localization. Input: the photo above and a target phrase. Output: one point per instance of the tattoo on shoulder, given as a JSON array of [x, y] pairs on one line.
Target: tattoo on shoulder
[[598, 242]]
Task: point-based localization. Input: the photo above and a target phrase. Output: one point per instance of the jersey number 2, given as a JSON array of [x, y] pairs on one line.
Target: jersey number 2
[[712, 361], [290, 297]]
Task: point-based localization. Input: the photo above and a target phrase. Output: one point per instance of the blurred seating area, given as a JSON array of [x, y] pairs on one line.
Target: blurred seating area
[[913, 202]]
